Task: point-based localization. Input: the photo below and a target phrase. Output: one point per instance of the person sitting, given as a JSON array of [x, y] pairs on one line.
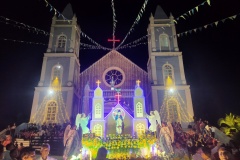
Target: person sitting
[[102, 154], [45, 149]]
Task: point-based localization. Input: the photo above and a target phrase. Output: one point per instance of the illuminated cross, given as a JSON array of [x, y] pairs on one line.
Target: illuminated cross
[[98, 82], [138, 82], [113, 40], [118, 97]]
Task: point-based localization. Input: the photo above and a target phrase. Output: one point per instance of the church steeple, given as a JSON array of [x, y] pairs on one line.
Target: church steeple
[[165, 61], [65, 33]]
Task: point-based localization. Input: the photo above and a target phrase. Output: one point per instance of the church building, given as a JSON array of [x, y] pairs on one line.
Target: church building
[[114, 83]]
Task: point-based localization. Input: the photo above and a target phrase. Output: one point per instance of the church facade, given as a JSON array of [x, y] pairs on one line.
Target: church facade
[[118, 76]]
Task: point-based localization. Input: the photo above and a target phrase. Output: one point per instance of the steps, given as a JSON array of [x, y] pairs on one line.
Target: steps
[[26, 143]]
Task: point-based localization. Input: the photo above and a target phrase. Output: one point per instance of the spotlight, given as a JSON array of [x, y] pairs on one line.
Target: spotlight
[[50, 91], [171, 90], [58, 66]]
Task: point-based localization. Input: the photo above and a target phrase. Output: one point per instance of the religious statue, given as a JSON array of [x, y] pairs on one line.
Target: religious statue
[[71, 142], [170, 127], [84, 122], [165, 139], [153, 119], [119, 122], [78, 120]]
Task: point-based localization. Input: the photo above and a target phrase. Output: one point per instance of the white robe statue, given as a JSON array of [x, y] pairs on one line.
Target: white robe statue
[[165, 139], [152, 121], [84, 123], [78, 120]]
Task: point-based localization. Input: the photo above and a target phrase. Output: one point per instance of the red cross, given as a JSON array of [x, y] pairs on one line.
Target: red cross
[[118, 96], [113, 40]]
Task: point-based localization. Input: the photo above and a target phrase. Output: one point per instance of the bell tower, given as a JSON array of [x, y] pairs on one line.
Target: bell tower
[[61, 60], [165, 60]]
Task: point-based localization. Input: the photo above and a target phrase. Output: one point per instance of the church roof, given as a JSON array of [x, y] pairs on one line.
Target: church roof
[[159, 13], [68, 12], [111, 53]]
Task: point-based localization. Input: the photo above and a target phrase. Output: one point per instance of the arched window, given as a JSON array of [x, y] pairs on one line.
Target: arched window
[[167, 71], [139, 109], [98, 110], [140, 128], [62, 40], [57, 71], [97, 129], [164, 41], [51, 112], [173, 111]]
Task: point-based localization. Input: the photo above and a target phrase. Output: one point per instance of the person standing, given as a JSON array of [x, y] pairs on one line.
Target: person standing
[[45, 149], [13, 128]]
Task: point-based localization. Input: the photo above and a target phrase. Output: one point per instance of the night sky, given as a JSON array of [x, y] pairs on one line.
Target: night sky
[[210, 56]]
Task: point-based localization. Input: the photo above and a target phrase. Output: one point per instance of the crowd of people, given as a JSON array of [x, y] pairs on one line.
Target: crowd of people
[[198, 142], [45, 130]]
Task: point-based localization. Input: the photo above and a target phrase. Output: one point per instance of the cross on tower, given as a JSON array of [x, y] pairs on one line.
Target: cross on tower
[[138, 82], [98, 82], [118, 97], [113, 40]]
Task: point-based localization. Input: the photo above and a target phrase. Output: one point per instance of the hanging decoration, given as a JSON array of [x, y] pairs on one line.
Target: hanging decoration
[[13, 40], [207, 25], [114, 18], [23, 26], [191, 11], [135, 22], [57, 13], [134, 43], [90, 39]]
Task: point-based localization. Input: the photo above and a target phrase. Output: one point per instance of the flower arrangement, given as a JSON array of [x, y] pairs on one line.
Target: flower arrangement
[[119, 146]]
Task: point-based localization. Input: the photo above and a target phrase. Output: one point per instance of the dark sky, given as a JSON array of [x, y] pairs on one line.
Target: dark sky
[[210, 56]]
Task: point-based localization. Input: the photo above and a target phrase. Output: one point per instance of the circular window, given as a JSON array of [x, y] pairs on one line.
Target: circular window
[[113, 76]]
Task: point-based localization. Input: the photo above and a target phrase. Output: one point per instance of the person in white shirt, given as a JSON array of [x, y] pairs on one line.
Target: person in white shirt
[[45, 149]]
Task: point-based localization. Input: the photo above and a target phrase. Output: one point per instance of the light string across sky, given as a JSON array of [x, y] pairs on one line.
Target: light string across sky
[[134, 43]]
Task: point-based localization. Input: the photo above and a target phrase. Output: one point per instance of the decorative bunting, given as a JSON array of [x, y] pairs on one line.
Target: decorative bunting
[[114, 18], [134, 42], [13, 40], [191, 11], [23, 26], [206, 26], [135, 22]]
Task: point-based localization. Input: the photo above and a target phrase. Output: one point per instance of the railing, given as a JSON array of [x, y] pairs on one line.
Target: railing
[[112, 94], [56, 144]]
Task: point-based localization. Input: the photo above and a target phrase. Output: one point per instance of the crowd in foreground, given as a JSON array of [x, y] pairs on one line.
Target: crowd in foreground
[[196, 143]]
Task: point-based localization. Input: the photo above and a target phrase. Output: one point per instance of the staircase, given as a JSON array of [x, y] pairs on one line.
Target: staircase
[[26, 143]]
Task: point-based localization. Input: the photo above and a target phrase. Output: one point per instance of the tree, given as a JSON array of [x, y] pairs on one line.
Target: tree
[[230, 124]]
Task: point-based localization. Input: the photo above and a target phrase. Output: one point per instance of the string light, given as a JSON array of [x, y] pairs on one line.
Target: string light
[[23, 26], [20, 41], [114, 18], [134, 42]]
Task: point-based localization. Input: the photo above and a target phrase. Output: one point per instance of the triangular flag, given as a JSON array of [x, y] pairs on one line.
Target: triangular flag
[[195, 30], [200, 28], [196, 8], [216, 23], [233, 17], [186, 32], [183, 17], [223, 20], [190, 31], [189, 12], [178, 35], [208, 1], [205, 26]]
